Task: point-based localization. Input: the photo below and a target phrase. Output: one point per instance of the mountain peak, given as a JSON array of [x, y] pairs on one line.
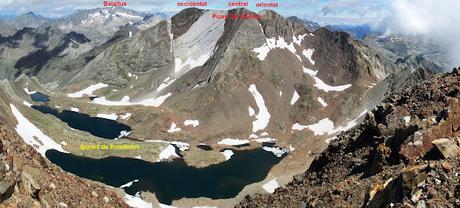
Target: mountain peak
[[31, 14]]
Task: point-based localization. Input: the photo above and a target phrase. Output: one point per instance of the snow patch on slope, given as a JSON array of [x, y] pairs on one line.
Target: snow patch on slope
[[326, 88], [326, 126], [263, 116], [298, 40], [32, 135], [168, 81], [193, 123], [112, 116], [278, 152], [228, 154], [181, 145], [129, 184], [295, 97], [310, 72], [273, 43], [29, 92], [169, 151], [27, 103], [136, 201], [125, 116], [233, 142], [321, 101], [251, 111], [87, 91], [308, 53], [173, 128], [155, 102], [323, 86], [270, 186]]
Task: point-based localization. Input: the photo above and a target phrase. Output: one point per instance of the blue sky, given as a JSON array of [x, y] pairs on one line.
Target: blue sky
[[322, 11]]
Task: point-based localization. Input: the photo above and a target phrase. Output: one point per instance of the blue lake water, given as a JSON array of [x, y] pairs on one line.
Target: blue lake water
[[174, 180], [39, 97], [100, 127]]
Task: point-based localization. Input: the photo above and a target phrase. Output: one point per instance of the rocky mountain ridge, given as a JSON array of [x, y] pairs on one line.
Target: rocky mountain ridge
[[405, 154]]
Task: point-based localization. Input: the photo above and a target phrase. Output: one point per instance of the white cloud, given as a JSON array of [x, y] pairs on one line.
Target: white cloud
[[4, 3], [436, 19]]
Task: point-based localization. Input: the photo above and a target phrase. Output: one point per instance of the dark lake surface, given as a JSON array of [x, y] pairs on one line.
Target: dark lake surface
[[173, 180], [39, 97], [101, 127]]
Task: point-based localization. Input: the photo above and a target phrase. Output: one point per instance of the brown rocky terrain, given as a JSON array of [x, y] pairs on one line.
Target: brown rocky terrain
[[405, 154], [29, 180]]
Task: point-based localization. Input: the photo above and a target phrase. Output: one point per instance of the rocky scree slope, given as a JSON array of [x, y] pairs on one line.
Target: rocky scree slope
[[29, 180], [405, 154]]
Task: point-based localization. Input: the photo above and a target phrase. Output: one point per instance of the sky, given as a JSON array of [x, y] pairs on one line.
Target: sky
[[321, 11]]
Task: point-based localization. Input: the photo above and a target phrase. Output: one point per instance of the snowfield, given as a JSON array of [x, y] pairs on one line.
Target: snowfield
[[125, 116], [193, 123], [326, 126], [270, 186], [168, 81], [321, 101], [228, 154], [251, 111], [29, 92], [264, 133], [87, 91], [155, 102], [266, 139], [278, 152], [136, 201], [263, 116], [173, 128], [32, 135], [298, 40], [310, 72], [112, 116], [181, 145], [323, 86], [308, 53], [273, 43], [326, 88], [27, 103], [233, 142], [169, 151], [295, 97], [129, 184], [74, 109]]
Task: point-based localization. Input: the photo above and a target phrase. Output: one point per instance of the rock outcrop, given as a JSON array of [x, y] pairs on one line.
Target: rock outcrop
[[405, 154]]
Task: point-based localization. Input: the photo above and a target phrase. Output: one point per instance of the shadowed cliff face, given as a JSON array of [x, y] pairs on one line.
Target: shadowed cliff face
[[405, 152]]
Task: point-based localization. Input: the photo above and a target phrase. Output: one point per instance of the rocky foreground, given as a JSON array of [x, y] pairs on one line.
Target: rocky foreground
[[405, 154], [29, 180]]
